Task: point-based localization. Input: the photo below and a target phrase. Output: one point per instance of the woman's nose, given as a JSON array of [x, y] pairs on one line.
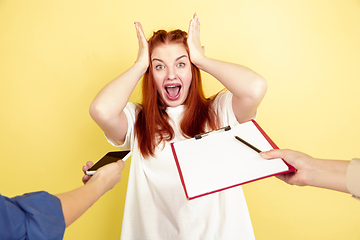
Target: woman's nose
[[171, 73]]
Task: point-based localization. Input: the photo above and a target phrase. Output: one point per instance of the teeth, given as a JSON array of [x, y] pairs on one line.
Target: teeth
[[172, 87]]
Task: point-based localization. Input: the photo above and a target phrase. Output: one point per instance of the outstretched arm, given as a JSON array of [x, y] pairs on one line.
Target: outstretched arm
[[107, 107], [247, 86], [330, 174], [77, 201]]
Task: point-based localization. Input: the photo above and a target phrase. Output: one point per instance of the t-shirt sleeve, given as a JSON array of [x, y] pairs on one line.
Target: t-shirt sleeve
[[222, 106], [353, 178], [31, 216]]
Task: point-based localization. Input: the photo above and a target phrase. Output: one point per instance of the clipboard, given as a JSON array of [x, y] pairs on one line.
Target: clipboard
[[218, 161]]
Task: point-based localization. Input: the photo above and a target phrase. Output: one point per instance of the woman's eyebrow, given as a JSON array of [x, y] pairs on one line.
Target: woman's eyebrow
[[157, 59], [177, 59], [181, 57]]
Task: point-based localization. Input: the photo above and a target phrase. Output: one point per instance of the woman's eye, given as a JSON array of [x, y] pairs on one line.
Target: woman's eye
[[181, 65], [159, 67]]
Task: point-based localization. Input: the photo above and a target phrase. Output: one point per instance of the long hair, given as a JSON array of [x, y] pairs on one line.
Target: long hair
[[152, 124]]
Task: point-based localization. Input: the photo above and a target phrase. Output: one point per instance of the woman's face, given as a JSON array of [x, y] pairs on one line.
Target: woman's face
[[172, 73]]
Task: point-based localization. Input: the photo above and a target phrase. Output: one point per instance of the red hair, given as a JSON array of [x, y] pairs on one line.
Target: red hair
[[152, 124]]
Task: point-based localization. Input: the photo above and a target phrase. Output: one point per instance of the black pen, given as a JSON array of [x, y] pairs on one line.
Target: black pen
[[247, 144]]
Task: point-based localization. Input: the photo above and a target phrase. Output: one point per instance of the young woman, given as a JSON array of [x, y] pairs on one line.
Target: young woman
[[174, 108]]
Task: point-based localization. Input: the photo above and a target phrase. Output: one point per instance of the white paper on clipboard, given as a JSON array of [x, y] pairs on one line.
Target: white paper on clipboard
[[219, 161]]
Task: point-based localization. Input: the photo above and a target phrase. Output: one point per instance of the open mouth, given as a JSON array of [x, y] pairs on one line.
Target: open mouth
[[173, 91]]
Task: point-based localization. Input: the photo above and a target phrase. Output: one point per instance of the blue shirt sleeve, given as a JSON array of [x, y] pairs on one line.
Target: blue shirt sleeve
[[32, 216]]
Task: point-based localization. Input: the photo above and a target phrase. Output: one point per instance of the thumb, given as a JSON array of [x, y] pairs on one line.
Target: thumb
[[274, 153]]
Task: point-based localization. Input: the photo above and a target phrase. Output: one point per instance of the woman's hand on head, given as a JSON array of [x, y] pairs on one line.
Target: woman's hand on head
[[143, 54], [197, 52]]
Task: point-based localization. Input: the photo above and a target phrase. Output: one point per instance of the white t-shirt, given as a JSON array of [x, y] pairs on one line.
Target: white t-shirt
[[156, 207]]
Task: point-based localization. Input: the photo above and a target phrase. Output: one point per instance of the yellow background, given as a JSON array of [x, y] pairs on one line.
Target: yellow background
[[56, 55]]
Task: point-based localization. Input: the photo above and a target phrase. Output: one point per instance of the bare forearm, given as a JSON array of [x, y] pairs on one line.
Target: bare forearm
[[248, 87], [111, 100], [239, 80], [330, 174], [77, 201]]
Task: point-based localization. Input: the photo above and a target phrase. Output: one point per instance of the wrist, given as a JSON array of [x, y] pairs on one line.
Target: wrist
[[141, 66], [314, 172], [98, 184], [200, 62]]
